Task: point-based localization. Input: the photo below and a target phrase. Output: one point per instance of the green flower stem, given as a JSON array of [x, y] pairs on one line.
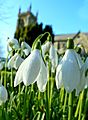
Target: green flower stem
[[19, 92], [19, 88], [77, 108], [47, 103], [70, 105], [2, 112], [62, 95], [40, 100], [32, 90], [2, 77], [82, 101], [5, 79], [85, 109], [39, 97], [5, 76], [25, 106], [64, 107], [81, 105], [28, 99], [40, 38], [48, 89], [51, 85], [12, 78]]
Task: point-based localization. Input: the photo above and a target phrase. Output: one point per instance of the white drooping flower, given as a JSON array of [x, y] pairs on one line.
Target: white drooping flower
[[46, 47], [68, 71], [84, 77], [3, 94], [31, 70], [26, 48], [53, 57], [58, 77], [42, 77], [81, 84], [12, 44], [15, 61]]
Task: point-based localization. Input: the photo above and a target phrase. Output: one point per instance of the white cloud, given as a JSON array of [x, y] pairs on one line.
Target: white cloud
[[83, 11]]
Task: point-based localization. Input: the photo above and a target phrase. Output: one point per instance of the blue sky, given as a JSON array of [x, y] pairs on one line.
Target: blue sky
[[65, 16]]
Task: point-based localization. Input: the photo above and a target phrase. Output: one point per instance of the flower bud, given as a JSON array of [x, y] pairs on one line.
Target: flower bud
[[70, 44]]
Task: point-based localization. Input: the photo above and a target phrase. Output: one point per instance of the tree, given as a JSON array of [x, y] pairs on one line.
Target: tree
[[31, 32]]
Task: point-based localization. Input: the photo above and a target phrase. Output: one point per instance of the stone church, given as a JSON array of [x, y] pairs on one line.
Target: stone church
[[27, 18], [80, 39]]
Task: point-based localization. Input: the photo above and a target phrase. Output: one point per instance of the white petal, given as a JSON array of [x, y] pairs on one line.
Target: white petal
[[18, 62], [32, 67], [12, 60], [24, 45], [15, 61], [80, 63], [26, 51], [52, 52], [19, 75], [81, 84], [16, 46], [53, 57], [70, 71], [84, 69], [42, 77], [46, 47], [3, 94], [58, 78]]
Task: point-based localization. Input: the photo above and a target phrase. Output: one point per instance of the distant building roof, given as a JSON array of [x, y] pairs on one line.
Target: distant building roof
[[63, 37], [80, 38]]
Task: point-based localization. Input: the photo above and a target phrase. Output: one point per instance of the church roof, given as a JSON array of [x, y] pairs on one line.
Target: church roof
[[63, 37]]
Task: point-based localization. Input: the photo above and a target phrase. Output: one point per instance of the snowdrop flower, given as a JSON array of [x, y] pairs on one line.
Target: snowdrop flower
[[53, 57], [26, 48], [15, 61], [68, 71], [32, 70], [46, 47], [3, 94], [84, 76], [58, 77], [12, 43], [42, 77]]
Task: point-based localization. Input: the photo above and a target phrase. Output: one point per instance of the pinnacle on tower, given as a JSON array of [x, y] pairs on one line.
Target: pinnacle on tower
[[19, 10], [30, 7]]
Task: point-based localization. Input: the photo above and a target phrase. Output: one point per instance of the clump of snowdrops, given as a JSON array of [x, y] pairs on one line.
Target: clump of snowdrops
[[36, 84]]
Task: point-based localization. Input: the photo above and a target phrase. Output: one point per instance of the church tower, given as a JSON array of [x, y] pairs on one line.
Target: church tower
[[26, 18]]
